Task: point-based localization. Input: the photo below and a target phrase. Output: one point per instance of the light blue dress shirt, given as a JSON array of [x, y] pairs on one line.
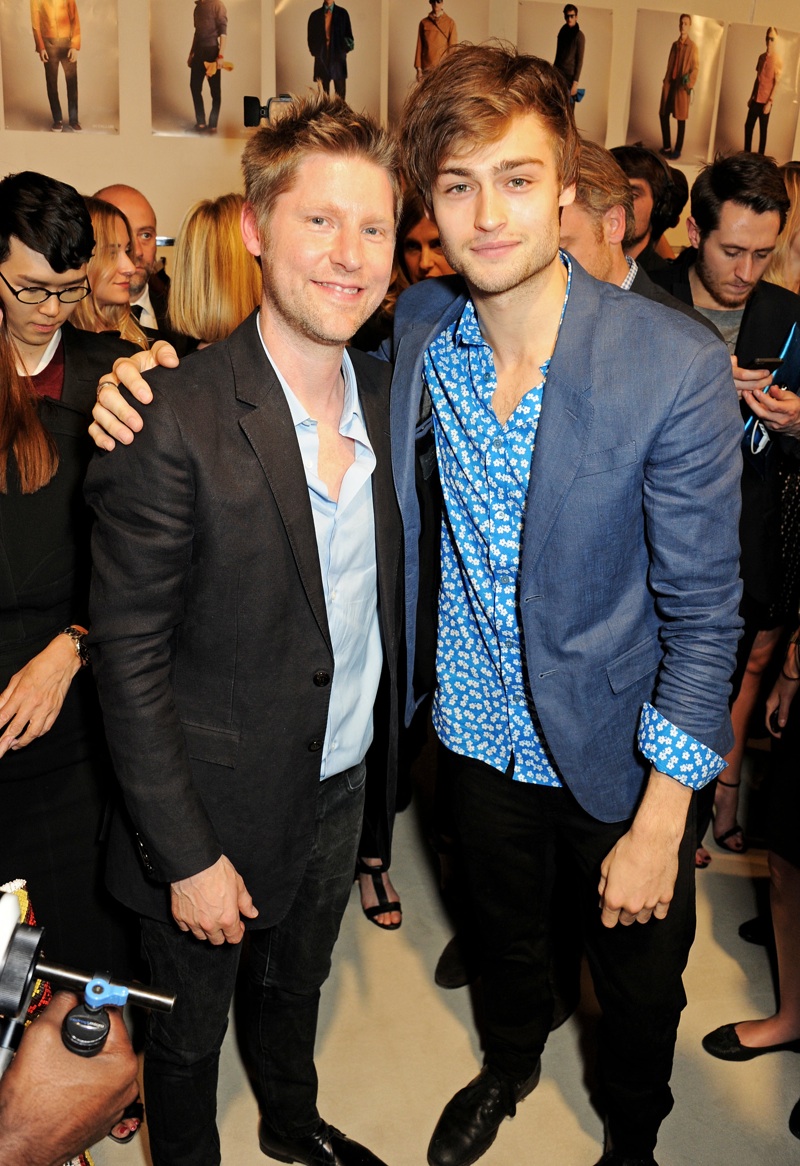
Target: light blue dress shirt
[[345, 532]]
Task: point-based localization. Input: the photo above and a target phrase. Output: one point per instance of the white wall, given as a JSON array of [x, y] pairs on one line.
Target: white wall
[[176, 170]]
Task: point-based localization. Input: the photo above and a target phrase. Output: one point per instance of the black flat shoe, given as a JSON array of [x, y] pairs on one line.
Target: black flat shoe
[[724, 838], [384, 905], [758, 931], [614, 1158], [470, 1120], [327, 1147], [725, 1044]]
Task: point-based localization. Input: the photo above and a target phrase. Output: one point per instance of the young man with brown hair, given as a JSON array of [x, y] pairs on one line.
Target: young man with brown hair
[[588, 605]]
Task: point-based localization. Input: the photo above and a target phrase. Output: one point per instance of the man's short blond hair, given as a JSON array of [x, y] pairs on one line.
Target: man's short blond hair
[[317, 124], [603, 184]]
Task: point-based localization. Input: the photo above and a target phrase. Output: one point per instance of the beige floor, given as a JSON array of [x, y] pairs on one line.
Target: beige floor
[[392, 1047]]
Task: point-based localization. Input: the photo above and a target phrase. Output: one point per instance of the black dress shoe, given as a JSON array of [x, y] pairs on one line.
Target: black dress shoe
[[758, 931], [794, 1120], [470, 1121], [458, 964], [725, 1044], [615, 1158], [327, 1147]]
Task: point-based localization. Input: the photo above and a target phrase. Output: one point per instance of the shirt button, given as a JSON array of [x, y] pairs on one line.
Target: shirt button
[[498, 443], [322, 679], [314, 746]]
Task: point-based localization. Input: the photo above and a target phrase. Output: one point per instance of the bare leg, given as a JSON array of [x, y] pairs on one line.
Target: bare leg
[[785, 903], [726, 797]]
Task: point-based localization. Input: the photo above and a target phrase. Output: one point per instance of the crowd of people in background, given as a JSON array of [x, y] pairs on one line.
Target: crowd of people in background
[[339, 263]]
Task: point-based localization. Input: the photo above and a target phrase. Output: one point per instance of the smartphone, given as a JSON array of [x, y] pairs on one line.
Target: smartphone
[[769, 362]]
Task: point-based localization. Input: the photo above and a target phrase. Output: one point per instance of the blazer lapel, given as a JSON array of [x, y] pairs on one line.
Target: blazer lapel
[[565, 422], [269, 429]]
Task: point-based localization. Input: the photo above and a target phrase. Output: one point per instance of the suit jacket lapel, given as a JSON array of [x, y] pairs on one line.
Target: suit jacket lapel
[[269, 429], [565, 421]]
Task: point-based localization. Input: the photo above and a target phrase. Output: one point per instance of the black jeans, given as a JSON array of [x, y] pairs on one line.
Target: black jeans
[[58, 54], [285, 966], [331, 71], [666, 133], [756, 112], [196, 78], [511, 833]]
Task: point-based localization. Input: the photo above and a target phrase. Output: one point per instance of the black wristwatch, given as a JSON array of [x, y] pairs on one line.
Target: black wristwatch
[[78, 637]]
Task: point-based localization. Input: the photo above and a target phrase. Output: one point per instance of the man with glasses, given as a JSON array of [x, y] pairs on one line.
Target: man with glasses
[[46, 241], [570, 44]]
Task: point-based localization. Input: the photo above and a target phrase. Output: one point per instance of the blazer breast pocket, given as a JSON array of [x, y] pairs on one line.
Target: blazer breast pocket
[[604, 460]]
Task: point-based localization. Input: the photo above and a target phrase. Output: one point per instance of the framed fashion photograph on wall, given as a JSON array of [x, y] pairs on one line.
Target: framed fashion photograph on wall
[[204, 58], [421, 32], [60, 66], [335, 45], [676, 61], [758, 95], [578, 41]]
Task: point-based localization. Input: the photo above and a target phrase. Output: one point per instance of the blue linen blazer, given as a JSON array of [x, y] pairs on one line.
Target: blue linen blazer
[[629, 581]]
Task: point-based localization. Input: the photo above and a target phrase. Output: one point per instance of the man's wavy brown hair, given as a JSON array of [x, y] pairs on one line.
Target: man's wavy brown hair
[[467, 102]]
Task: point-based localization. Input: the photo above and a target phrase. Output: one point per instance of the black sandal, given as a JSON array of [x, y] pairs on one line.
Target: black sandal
[[384, 905], [735, 829], [135, 1111]]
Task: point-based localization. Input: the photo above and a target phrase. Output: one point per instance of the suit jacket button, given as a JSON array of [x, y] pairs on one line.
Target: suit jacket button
[[322, 679], [314, 746]]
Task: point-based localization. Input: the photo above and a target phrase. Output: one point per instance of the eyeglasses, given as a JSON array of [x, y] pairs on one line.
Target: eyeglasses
[[38, 295]]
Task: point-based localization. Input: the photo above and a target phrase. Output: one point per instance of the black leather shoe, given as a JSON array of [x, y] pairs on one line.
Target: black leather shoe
[[327, 1147], [758, 931], [458, 965], [794, 1120], [470, 1121], [725, 1044], [613, 1158]]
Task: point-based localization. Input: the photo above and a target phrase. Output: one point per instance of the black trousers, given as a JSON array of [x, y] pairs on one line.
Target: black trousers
[[196, 79], [666, 133], [756, 113], [331, 70], [286, 966], [58, 54], [510, 834]]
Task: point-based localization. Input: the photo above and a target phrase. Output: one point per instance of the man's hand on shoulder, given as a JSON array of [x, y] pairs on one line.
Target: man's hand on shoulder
[[637, 876], [114, 419], [210, 903]]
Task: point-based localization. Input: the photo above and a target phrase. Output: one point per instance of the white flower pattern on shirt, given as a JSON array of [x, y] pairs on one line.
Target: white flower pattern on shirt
[[483, 706]]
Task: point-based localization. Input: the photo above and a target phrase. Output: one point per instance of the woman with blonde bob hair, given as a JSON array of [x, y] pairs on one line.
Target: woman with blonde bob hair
[[216, 283], [108, 308], [784, 264]]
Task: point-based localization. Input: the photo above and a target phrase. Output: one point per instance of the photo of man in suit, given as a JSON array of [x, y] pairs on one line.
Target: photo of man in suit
[[683, 65], [570, 47], [330, 39], [208, 49], [247, 606], [57, 38]]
